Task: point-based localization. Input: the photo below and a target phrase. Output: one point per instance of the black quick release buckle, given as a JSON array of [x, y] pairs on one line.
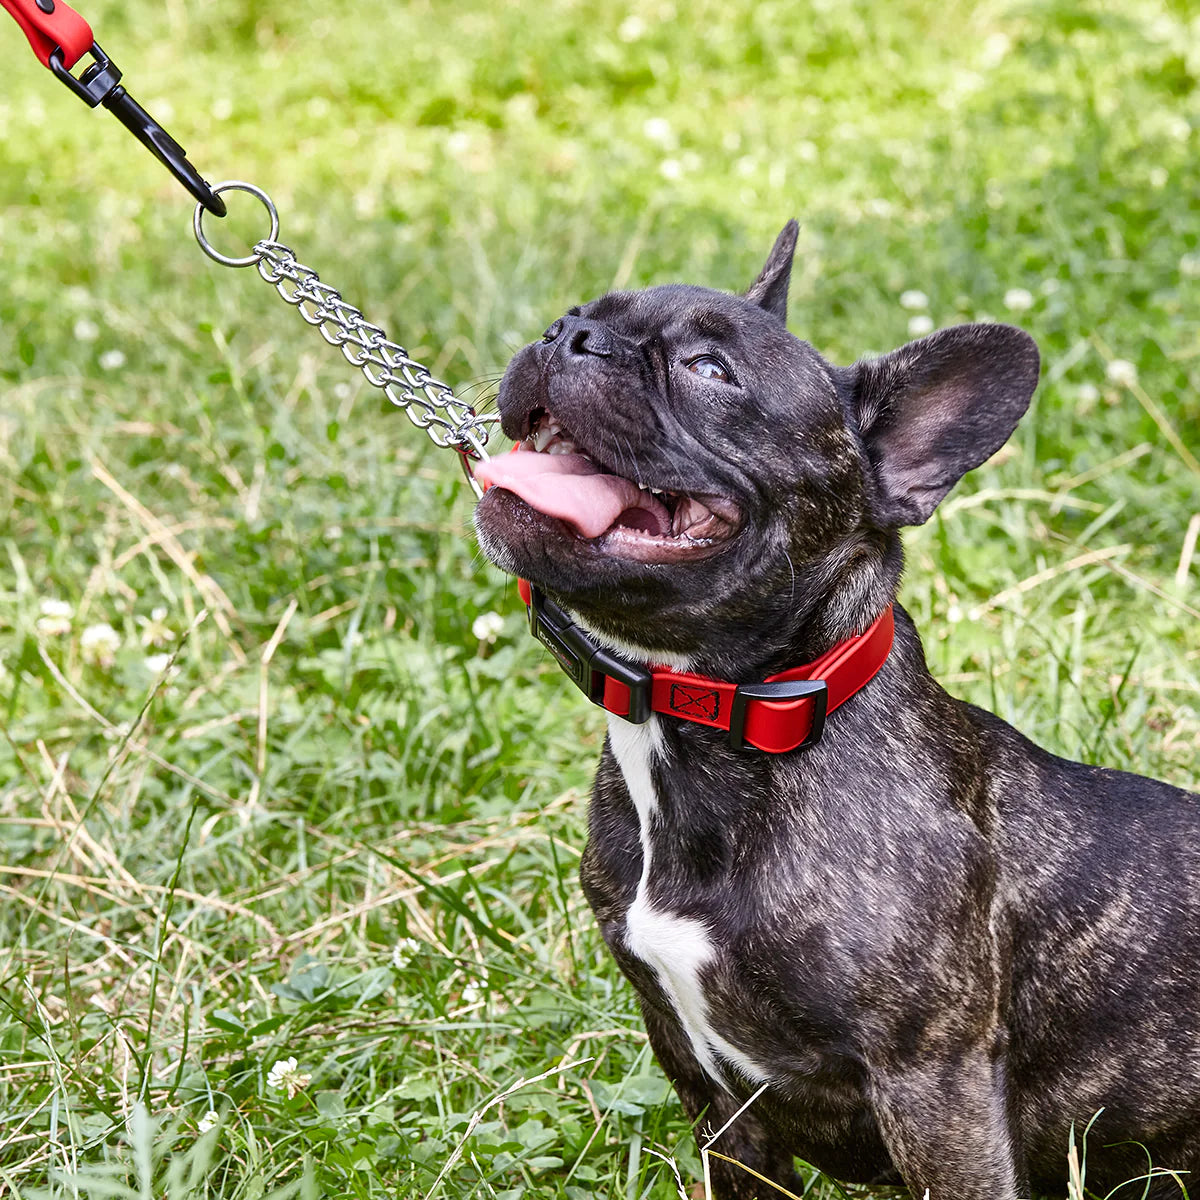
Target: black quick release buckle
[[789, 689], [585, 663]]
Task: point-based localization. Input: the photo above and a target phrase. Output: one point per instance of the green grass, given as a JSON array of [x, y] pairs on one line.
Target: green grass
[[213, 867]]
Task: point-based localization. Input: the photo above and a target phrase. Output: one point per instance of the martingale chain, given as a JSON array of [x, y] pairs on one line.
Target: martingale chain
[[428, 403]]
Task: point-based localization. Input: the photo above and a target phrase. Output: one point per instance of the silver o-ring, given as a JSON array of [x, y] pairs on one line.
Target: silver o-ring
[[238, 186]]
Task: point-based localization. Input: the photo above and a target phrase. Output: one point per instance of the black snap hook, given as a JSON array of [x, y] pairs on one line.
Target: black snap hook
[[100, 84]]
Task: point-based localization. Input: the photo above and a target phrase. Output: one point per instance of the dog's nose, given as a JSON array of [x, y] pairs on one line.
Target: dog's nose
[[580, 337]]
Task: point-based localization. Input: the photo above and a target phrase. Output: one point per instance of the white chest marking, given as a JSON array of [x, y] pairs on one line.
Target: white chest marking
[[676, 948]]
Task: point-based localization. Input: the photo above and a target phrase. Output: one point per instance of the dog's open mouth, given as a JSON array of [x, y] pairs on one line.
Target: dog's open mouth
[[627, 519]]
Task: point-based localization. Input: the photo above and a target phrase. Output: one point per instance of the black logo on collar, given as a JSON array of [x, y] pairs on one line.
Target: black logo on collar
[[691, 701]]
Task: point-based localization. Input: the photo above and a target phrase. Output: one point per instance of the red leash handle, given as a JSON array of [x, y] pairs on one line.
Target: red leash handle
[[60, 37], [51, 25]]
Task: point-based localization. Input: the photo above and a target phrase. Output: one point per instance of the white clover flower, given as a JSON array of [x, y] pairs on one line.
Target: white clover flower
[[487, 626], [658, 129], [520, 108], [210, 1120], [284, 1076], [920, 325], [99, 644], [366, 202], [1178, 127], [55, 620], [155, 630], [912, 300], [631, 29], [670, 168], [1087, 393], [1159, 177], [1121, 372], [472, 987], [1189, 266], [222, 108], [85, 330], [162, 108], [404, 951], [995, 48], [156, 664], [112, 360], [1018, 300]]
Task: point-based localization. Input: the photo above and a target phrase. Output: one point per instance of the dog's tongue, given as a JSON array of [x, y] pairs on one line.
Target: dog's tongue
[[572, 488]]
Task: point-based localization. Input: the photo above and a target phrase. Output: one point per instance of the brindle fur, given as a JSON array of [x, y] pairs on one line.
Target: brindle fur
[[949, 945]]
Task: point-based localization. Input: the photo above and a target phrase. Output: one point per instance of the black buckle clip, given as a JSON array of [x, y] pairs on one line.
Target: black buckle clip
[[585, 663], [794, 689], [100, 84]]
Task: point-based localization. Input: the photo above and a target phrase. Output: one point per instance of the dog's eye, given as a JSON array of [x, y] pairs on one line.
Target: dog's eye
[[709, 368]]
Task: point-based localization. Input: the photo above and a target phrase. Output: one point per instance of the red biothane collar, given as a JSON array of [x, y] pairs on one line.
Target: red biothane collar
[[785, 712]]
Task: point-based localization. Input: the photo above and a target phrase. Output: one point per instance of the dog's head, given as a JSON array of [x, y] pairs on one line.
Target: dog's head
[[693, 480]]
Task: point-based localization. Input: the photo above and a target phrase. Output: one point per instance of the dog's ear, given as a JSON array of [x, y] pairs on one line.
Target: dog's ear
[[934, 409], [770, 289]]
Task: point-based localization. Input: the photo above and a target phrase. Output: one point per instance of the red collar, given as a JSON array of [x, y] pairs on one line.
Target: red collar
[[785, 712]]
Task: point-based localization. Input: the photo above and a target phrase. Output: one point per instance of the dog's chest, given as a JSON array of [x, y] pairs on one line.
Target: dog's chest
[[680, 950]]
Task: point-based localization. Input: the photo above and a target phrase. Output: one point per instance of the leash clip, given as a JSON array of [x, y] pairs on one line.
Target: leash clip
[[100, 84]]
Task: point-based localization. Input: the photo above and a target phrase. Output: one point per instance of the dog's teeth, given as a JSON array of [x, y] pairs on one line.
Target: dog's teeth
[[563, 446], [541, 437]]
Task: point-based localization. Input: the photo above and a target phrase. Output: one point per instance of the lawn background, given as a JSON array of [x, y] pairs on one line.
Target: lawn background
[[342, 827]]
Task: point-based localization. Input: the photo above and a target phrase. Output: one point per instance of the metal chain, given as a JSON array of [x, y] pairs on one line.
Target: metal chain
[[428, 403]]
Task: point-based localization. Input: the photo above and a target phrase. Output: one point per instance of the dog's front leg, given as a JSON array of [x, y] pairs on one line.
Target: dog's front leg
[[947, 1129], [746, 1140]]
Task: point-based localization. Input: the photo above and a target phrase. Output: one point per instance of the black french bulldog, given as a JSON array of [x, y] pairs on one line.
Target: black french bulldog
[[928, 945]]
